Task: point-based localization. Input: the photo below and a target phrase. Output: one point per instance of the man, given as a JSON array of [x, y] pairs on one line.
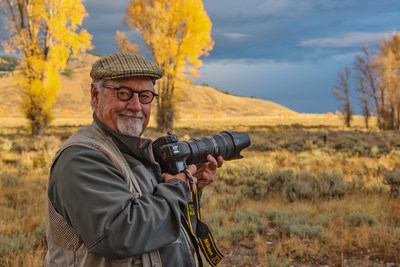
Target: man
[[108, 203]]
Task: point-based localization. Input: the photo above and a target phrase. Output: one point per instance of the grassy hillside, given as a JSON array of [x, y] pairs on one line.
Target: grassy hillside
[[197, 106], [195, 101]]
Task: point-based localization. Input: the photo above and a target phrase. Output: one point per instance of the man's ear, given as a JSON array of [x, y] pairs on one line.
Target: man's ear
[[94, 94]]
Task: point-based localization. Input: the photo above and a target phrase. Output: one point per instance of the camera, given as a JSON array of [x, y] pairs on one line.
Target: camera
[[174, 156]]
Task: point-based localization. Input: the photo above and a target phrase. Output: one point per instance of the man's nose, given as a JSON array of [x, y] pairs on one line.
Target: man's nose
[[134, 103]]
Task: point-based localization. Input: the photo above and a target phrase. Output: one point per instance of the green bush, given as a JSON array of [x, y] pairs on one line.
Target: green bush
[[331, 185], [255, 188], [68, 72], [247, 224], [300, 224], [359, 218], [356, 185], [9, 179], [21, 243], [278, 180], [273, 261], [303, 186], [392, 177], [216, 219], [16, 243]]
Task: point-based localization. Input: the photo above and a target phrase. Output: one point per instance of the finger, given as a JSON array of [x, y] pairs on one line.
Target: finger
[[220, 161], [192, 169], [212, 162]]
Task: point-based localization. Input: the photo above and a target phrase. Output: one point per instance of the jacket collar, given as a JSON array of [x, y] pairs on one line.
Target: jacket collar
[[138, 147]]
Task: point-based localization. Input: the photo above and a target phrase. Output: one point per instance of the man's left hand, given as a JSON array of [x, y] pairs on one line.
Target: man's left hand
[[206, 172]]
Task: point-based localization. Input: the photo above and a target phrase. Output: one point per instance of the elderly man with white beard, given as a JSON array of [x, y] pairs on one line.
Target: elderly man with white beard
[[108, 204]]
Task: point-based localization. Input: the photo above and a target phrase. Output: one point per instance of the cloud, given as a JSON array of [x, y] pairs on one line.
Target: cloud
[[236, 36], [302, 86], [352, 39]]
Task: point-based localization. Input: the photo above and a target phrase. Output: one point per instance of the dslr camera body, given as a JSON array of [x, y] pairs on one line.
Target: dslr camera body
[[174, 156]]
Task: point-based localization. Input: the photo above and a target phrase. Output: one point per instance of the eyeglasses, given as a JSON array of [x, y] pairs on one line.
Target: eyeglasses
[[126, 93]]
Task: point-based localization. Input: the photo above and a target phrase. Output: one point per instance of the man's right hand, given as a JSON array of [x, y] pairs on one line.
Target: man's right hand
[[182, 176]]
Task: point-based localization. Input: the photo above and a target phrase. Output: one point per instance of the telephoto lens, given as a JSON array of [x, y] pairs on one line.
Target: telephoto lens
[[227, 144], [174, 156]]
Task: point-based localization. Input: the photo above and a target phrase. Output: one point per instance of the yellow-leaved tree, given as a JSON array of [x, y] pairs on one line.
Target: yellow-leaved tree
[[388, 69], [178, 32], [43, 33]]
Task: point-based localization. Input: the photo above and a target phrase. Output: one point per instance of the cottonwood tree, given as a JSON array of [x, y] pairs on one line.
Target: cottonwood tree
[[367, 84], [178, 33], [364, 98], [43, 33], [341, 90], [388, 76], [124, 45]]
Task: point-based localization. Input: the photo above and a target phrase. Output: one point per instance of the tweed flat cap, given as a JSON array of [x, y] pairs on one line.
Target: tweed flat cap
[[123, 65]]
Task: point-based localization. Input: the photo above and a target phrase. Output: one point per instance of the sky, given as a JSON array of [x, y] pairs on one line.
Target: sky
[[285, 51]]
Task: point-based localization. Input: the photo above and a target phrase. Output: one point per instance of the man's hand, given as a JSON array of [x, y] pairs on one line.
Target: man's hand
[[206, 172], [182, 176]]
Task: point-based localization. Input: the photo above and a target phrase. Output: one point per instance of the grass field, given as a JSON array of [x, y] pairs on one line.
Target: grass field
[[307, 192]]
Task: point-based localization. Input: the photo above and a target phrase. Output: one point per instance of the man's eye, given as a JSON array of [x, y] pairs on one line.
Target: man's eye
[[124, 93], [145, 95]]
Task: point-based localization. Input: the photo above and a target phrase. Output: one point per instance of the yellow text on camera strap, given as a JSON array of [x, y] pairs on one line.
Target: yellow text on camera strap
[[202, 232]]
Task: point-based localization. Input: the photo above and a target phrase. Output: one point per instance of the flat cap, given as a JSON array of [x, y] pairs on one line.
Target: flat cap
[[123, 65]]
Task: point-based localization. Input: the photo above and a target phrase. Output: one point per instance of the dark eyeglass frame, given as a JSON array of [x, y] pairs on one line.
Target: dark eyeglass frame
[[131, 93]]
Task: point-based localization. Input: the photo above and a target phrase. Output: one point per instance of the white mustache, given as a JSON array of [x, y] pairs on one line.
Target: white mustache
[[132, 114]]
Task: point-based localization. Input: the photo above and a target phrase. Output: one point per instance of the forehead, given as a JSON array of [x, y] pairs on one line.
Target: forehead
[[138, 83]]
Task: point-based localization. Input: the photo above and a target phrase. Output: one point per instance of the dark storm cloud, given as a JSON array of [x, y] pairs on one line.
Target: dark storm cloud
[[287, 51], [105, 18], [282, 30]]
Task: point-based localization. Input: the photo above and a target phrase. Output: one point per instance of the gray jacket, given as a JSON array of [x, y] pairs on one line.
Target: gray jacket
[[98, 213]]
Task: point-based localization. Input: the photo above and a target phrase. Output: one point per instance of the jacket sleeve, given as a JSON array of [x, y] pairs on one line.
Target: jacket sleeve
[[91, 194]]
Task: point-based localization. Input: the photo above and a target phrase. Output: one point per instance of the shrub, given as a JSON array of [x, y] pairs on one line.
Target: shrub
[[304, 186], [9, 179], [300, 224], [5, 145], [16, 243], [278, 180], [36, 143], [216, 218], [392, 178], [21, 243], [359, 218], [255, 188], [68, 72], [357, 184], [247, 224], [273, 261], [331, 185]]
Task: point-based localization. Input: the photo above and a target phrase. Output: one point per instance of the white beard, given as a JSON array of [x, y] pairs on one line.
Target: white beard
[[128, 126]]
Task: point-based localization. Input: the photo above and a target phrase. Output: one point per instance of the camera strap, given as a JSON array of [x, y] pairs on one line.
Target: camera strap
[[201, 231]]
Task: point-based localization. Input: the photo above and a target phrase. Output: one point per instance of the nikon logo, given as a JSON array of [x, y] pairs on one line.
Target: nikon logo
[[208, 246], [175, 149]]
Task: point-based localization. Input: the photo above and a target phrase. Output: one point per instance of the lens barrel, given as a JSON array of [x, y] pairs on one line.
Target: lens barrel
[[227, 144]]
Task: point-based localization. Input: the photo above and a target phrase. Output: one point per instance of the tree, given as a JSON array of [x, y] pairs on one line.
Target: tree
[[364, 98], [43, 32], [178, 33], [388, 65], [124, 45], [341, 90], [367, 85]]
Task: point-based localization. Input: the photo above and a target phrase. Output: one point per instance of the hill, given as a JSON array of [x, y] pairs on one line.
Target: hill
[[196, 101]]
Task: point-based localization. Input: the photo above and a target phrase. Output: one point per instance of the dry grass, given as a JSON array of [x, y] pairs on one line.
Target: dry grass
[[246, 215], [254, 224]]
